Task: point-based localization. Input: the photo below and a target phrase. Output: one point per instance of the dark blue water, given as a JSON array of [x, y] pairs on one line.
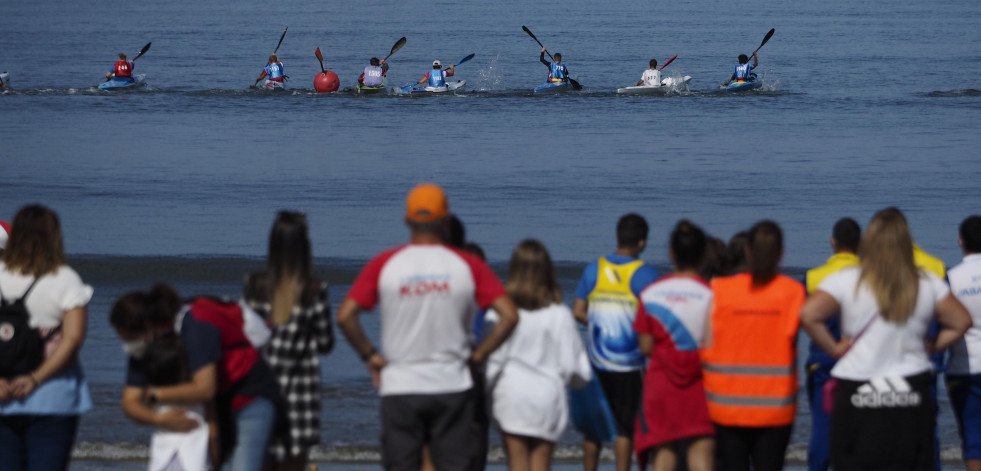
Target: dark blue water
[[866, 105]]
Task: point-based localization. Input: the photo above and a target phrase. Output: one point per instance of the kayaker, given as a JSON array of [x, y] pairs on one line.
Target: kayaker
[[121, 70], [274, 70], [743, 72], [557, 71], [437, 76], [651, 77], [374, 74]]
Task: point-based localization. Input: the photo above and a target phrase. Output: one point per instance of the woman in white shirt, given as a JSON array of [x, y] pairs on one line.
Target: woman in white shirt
[[883, 417], [528, 374], [41, 399]]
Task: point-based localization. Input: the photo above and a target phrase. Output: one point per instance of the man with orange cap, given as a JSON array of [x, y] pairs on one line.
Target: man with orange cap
[[427, 294]]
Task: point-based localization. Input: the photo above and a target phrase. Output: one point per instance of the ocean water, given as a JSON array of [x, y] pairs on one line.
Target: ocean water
[[865, 105]]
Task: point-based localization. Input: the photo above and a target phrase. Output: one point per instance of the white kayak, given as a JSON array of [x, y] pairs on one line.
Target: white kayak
[[449, 87], [669, 84]]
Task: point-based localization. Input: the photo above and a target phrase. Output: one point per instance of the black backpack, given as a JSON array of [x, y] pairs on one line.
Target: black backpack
[[21, 347]]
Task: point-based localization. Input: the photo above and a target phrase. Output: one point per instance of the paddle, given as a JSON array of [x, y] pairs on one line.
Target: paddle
[[320, 57], [668, 62], [465, 59], [280, 43], [398, 45], [766, 38], [143, 51], [575, 84]]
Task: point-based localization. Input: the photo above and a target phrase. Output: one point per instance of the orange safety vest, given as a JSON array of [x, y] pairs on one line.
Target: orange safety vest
[[750, 367]]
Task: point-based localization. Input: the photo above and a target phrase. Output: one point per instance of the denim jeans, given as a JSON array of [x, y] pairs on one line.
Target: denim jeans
[[37, 442], [255, 425]]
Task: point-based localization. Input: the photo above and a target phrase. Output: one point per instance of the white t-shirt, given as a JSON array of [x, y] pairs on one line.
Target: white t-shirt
[[965, 285], [884, 350], [528, 374], [53, 294], [651, 78], [427, 296], [681, 304]]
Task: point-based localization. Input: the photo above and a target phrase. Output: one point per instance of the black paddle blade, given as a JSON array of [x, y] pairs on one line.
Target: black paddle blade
[[398, 45], [143, 51], [575, 85], [766, 38], [281, 37], [320, 57]]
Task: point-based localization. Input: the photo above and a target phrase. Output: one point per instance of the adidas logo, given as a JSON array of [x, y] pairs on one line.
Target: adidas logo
[[885, 392]]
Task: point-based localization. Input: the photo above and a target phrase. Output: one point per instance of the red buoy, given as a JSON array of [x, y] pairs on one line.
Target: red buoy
[[326, 82]]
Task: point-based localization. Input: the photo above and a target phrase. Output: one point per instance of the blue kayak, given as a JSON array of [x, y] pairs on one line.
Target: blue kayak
[[753, 83], [449, 87], [553, 87], [120, 83]]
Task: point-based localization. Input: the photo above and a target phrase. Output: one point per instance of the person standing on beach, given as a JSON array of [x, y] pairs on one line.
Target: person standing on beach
[[845, 236], [527, 377], [294, 304], [427, 293], [883, 417], [43, 390], [670, 326], [606, 302], [749, 357], [964, 368]]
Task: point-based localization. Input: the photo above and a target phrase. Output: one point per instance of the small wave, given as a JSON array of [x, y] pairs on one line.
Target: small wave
[[970, 92]]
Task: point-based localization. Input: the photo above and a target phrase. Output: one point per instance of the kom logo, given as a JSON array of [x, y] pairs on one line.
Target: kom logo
[[424, 285]]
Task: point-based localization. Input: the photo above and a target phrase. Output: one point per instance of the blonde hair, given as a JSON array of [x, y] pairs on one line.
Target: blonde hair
[[887, 265], [531, 277], [35, 246]]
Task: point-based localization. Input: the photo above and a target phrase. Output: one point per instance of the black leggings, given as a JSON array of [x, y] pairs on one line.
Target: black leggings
[[756, 448]]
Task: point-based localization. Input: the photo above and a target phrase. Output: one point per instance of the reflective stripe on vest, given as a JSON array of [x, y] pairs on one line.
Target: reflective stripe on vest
[[750, 372]]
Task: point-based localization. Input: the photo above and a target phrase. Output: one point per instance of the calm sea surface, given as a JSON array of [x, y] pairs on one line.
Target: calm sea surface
[[866, 105]]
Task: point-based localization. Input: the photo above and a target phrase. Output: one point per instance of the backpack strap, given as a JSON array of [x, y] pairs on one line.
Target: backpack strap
[[23, 296]]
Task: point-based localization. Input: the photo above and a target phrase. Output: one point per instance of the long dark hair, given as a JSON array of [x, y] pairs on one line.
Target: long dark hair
[[288, 267], [764, 250]]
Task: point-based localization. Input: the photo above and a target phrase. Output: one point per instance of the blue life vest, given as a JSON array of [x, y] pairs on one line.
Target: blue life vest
[[557, 71], [275, 70], [743, 72], [436, 78], [373, 76]]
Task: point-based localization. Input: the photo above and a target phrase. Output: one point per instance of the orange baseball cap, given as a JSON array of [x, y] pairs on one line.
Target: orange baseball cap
[[426, 203]]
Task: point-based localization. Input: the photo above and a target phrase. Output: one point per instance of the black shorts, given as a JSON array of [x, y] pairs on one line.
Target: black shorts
[[883, 424], [444, 421], [623, 390]]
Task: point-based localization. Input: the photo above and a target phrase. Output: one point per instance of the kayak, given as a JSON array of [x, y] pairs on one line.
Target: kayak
[[271, 85], [553, 87], [450, 87], [117, 83], [366, 90], [752, 84], [667, 85]]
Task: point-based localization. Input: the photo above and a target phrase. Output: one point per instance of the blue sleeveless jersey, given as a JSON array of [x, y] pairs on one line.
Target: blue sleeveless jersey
[[743, 70], [436, 78], [275, 70], [557, 71]]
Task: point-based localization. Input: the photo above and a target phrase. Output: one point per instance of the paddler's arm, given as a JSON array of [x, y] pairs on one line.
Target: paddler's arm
[[449, 73], [423, 80], [756, 60], [347, 320], [541, 57], [261, 76], [384, 68], [508, 315]]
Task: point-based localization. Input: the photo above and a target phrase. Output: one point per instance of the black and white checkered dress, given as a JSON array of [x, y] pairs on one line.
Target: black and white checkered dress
[[293, 352]]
